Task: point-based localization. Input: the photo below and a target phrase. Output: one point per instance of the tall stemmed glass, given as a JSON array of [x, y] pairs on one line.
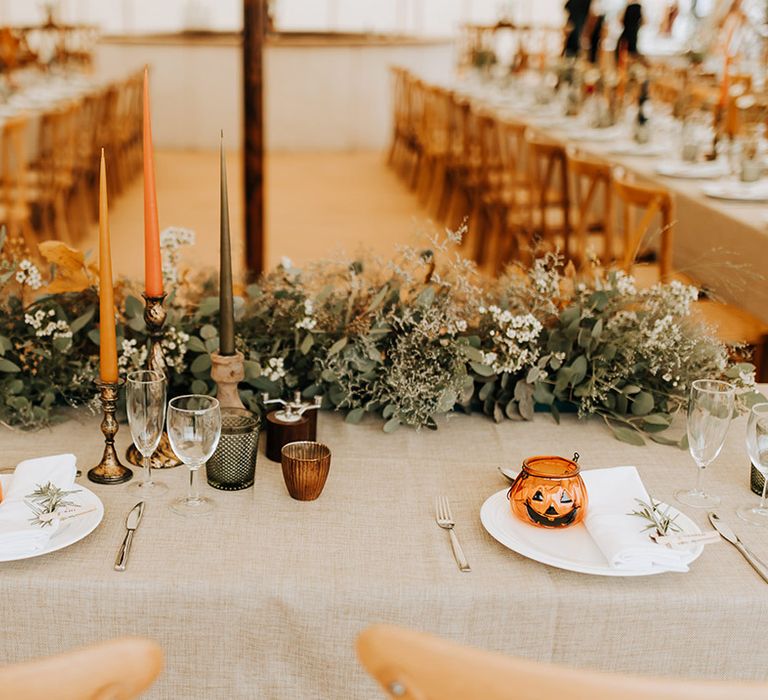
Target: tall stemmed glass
[[757, 446], [194, 428], [710, 408], [145, 403]]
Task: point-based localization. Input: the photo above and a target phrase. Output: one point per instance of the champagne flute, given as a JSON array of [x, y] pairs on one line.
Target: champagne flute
[[145, 404], [757, 446], [194, 428], [710, 408]]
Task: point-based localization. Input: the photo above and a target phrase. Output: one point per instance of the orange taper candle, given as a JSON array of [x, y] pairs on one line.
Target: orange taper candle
[[153, 266], [107, 335]]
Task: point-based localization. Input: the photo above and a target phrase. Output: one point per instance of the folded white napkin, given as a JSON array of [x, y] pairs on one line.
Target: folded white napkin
[[621, 537], [695, 171], [18, 536]]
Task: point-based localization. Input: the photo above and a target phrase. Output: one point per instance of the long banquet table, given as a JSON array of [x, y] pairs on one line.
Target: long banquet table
[[265, 597], [721, 244]]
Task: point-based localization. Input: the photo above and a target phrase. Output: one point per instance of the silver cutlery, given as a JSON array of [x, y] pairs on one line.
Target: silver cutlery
[[445, 520], [131, 523], [728, 534]]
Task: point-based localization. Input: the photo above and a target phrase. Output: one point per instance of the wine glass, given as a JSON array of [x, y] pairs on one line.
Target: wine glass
[[757, 446], [145, 404], [710, 408], [194, 428]]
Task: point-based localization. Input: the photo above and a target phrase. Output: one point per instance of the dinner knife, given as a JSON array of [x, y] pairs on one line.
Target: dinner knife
[[131, 523], [727, 533]]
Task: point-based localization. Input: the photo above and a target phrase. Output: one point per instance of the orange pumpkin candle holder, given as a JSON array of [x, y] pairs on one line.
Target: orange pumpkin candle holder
[[549, 492]]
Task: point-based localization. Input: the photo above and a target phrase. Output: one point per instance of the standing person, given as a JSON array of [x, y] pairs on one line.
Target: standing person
[[578, 12], [594, 29], [631, 20]]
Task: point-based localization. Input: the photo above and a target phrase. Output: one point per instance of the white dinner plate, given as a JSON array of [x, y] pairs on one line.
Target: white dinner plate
[[610, 133], [639, 150], [737, 191], [71, 530], [712, 170], [572, 548]]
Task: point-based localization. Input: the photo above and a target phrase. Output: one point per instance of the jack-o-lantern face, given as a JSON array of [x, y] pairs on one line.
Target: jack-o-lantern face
[[549, 493], [551, 506]]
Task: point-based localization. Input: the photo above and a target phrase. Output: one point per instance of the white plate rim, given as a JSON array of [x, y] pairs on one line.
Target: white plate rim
[[715, 191], [566, 564], [66, 537], [677, 172]]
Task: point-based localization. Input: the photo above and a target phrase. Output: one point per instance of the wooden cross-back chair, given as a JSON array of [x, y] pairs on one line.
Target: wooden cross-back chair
[[14, 191], [653, 203], [550, 200], [591, 187], [120, 669], [414, 666], [435, 139]]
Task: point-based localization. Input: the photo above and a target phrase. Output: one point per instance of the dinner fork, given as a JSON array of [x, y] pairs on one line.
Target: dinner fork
[[444, 519]]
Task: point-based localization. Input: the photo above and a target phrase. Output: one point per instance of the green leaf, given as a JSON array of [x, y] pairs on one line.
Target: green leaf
[[133, 307], [195, 344], [628, 435], [569, 315], [472, 353], [631, 389], [5, 344], [198, 386], [201, 363], [391, 425], [378, 298], [8, 366], [426, 297], [578, 370], [212, 344], [486, 391], [642, 403], [662, 440], [542, 394], [81, 321], [62, 344], [389, 411], [252, 369], [208, 331], [137, 324], [306, 344], [338, 346], [94, 337], [481, 369], [355, 415], [657, 419], [598, 328], [208, 306], [511, 409]]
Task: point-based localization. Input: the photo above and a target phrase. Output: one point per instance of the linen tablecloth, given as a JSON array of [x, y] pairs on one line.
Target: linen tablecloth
[[264, 599]]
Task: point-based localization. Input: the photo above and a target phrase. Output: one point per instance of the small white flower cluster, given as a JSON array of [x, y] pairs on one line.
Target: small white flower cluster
[[514, 340], [51, 329], [545, 277], [307, 322], [275, 369], [674, 297], [132, 356], [171, 239], [174, 344], [28, 275], [619, 281]]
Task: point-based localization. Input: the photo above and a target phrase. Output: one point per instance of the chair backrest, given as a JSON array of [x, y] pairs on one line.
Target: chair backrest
[[650, 204], [591, 185], [415, 666], [119, 670], [549, 185], [13, 163]]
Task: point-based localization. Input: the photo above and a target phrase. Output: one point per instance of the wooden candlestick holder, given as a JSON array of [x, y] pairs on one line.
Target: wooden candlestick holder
[[227, 371], [154, 316], [109, 470]]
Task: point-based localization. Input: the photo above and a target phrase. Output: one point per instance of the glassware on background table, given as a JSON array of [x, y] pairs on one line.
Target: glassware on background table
[[305, 469], [233, 465], [757, 447], [710, 409], [194, 428], [145, 405]]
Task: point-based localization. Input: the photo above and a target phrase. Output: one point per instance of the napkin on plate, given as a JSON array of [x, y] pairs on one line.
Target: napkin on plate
[[18, 536], [620, 536], [708, 170]]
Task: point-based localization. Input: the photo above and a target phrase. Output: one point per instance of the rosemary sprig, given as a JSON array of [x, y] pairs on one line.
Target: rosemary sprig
[[658, 519], [45, 501]]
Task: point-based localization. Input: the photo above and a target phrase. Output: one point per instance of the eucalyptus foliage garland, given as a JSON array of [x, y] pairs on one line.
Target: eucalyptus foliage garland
[[410, 340]]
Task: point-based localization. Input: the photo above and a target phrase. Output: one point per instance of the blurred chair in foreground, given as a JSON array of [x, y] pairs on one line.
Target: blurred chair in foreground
[[116, 670], [418, 666]]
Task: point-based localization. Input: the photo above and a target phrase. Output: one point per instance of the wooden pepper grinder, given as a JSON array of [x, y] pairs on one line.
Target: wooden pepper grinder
[[294, 422]]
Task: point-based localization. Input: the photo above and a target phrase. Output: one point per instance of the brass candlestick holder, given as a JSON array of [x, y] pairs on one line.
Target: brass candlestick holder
[[154, 316], [109, 470], [227, 371]]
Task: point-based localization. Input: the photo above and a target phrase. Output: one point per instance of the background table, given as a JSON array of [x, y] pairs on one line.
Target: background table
[[265, 598]]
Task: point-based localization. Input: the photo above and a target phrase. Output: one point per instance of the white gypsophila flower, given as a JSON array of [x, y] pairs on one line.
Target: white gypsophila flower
[[28, 275], [514, 340], [171, 239], [285, 263], [274, 369]]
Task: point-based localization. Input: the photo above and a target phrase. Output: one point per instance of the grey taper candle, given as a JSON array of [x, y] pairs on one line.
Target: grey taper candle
[[226, 305]]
